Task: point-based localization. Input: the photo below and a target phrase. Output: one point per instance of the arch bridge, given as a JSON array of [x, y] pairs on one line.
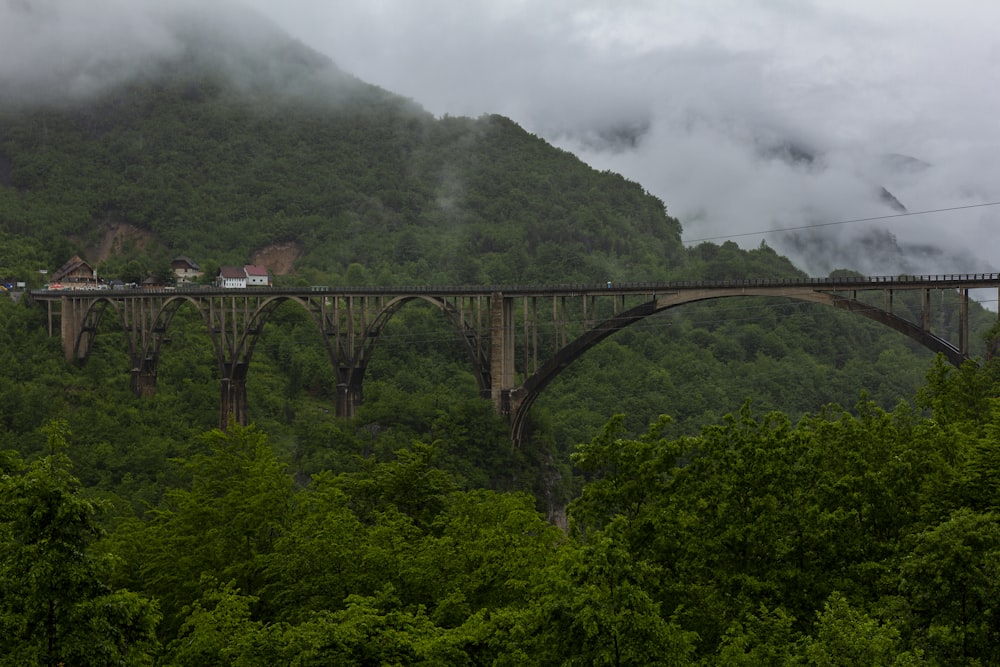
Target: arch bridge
[[518, 338]]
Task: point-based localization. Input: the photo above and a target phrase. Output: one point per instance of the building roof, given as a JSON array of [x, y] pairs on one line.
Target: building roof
[[255, 270], [185, 260], [232, 272], [72, 265]]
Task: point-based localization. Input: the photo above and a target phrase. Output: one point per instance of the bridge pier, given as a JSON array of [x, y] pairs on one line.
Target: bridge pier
[[233, 397], [143, 378], [348, 400], [925, 309], [963, 321], [502, 351], [72, 316]]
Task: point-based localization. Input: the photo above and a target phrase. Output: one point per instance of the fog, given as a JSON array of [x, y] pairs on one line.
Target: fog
[[746, 117], [55, 51]]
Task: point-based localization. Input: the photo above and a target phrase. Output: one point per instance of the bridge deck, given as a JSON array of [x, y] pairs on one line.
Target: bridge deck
[[906, 282]]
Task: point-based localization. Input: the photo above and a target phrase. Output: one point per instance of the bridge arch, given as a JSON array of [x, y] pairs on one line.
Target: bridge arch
[[351, 335], [82, 336], [144, 325], [523, 397], [234, 323]]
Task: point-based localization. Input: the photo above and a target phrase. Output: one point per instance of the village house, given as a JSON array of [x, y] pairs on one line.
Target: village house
[[241, 277], [153, 283], [74, 274], [231, 277], [257, 276], [186, 270]]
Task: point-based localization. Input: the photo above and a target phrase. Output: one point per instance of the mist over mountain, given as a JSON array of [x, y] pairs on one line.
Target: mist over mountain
[[689, 98], [728, 160], [59, 53], [718, 169], [872, 252], [732, 180], [225, 139]]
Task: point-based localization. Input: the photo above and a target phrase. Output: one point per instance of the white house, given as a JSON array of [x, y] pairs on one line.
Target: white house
[[257, 276], [231, 277], [241, 277]]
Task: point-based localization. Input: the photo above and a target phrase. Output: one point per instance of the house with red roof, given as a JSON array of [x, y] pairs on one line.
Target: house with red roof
[[231, 277], [257, 276], [241, 277]]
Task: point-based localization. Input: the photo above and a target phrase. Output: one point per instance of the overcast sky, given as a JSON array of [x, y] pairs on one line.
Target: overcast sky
[[713, 93], [712, 105]]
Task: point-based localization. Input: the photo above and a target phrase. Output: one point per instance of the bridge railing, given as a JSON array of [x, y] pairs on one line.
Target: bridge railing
[[852, 282]]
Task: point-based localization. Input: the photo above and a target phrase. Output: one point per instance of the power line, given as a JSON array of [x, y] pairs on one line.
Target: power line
[[845, 222]]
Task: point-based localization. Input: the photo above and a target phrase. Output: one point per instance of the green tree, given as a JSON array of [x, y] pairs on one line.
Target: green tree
[[215, 628], [56, 606], [321, 557], [846, 637], [224, 526], [410, 483], [597, 606], [627, 475], [488, 547], [951, 580], [761, 638]]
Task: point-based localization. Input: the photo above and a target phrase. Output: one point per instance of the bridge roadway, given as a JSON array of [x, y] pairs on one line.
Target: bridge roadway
[[518, 337]]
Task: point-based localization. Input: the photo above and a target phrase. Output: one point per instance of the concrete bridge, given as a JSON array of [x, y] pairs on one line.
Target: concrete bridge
[[518, 337]]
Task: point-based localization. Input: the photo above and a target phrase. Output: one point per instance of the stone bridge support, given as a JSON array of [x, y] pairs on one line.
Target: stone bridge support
[[72, 316], [502, 351], [234, 323], [233, 395]]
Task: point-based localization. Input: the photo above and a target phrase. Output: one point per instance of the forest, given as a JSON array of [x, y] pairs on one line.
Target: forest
[[848, 536], [741, 482]]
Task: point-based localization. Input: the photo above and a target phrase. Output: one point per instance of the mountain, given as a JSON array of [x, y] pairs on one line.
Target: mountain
[[226, 148], [230, 145]]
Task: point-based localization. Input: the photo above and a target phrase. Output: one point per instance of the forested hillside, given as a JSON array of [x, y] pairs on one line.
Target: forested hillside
[[819, 494], [350, 175]]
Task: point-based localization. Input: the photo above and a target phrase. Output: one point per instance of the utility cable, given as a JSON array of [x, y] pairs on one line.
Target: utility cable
[[843, 222]]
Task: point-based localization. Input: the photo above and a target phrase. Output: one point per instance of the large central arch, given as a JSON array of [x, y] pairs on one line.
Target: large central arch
[[523, 397]]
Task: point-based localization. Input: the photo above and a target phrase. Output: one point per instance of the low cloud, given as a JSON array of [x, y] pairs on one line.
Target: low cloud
[[745, 118], [712, 106], [53, 51]]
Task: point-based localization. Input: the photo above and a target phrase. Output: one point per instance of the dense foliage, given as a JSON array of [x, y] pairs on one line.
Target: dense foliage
[[863, 537]]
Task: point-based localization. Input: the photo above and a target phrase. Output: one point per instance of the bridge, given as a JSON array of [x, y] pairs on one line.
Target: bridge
[[518, 338]]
